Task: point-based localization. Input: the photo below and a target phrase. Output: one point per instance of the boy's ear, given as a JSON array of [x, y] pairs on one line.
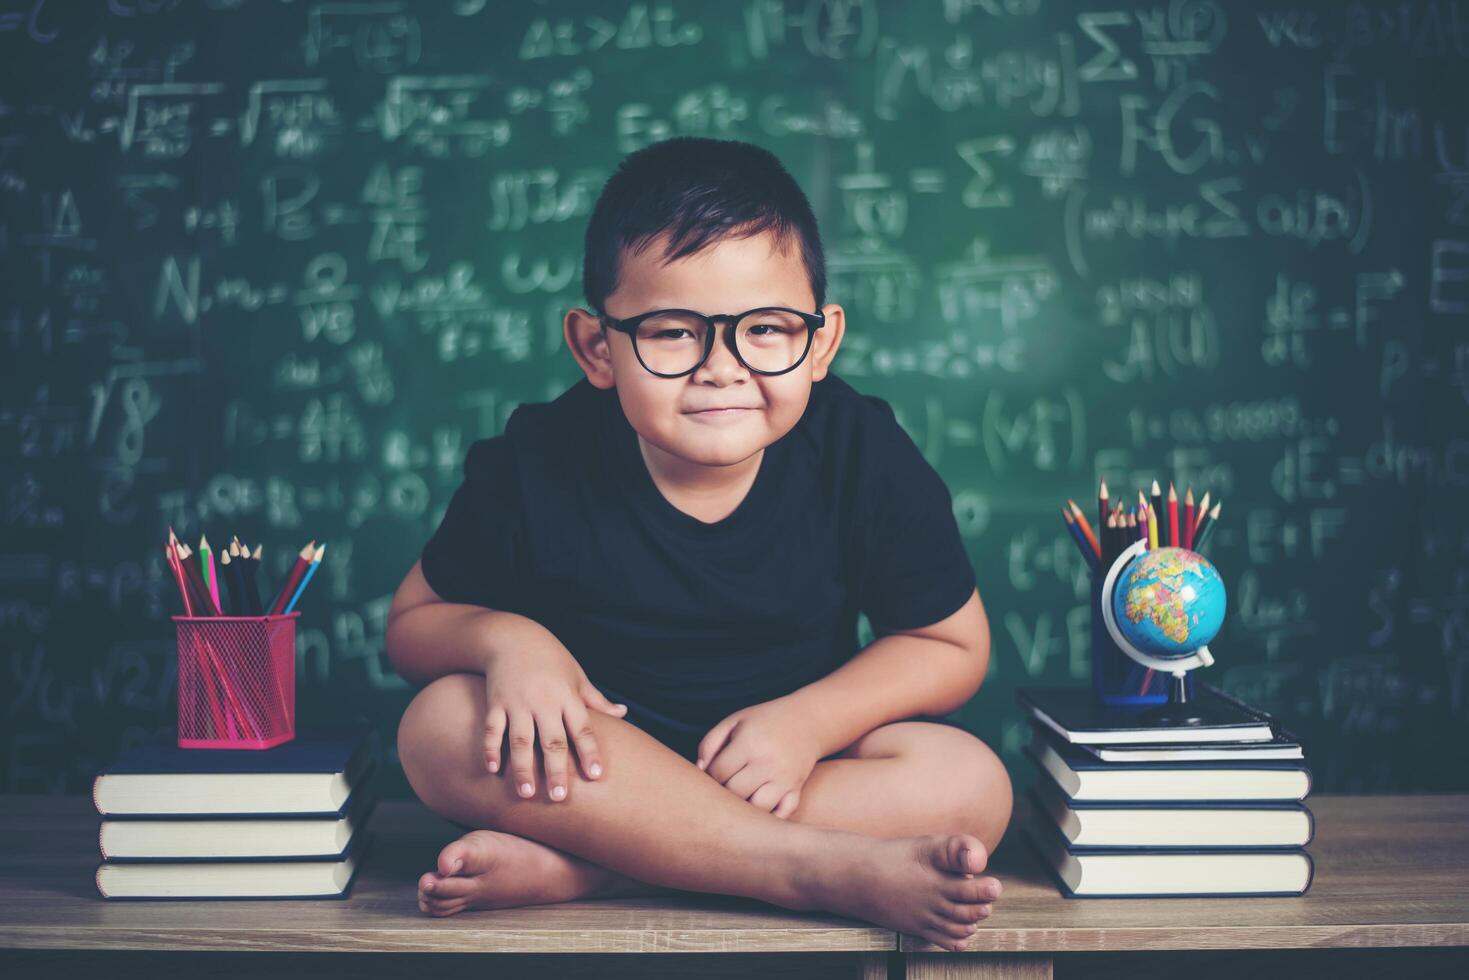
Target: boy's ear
[[590, 343], [824, 345]]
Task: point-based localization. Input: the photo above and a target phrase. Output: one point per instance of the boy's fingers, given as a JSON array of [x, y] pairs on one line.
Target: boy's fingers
[[580, 727], [523, 753], [494, 737], [554, 756], [600, 701]]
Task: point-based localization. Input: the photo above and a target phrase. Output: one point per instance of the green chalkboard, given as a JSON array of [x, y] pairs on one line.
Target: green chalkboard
[[268, 269]]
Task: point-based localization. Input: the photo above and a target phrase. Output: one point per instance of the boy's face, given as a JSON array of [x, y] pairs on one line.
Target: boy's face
[[730, 276]]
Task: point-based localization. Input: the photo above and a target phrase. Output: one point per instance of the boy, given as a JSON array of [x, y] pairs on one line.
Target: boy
[[690, 532]]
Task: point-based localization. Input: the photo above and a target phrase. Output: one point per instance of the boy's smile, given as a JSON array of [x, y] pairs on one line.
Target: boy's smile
[[703, 435]]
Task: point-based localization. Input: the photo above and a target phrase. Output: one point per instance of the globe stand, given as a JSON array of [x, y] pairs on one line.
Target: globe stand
[[1179, 710]]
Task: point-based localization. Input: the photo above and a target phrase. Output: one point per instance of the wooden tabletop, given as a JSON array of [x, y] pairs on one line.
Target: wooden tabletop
[[1390, 871]]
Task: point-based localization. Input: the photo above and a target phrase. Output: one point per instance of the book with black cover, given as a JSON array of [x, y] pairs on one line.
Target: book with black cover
[[1159, 825], [195, 880], [311, 775], [1083, 777], [1142, 873], [217, 838], [1075, 715]]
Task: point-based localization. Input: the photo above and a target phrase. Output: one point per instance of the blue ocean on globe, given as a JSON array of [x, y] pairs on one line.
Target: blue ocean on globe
[[1169, 602]]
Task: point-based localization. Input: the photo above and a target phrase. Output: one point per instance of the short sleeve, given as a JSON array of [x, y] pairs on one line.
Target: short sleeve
[[477, 555], [916, 571]]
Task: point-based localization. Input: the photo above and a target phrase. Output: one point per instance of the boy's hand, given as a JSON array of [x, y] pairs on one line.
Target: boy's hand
[[763, 754], [540, 693]]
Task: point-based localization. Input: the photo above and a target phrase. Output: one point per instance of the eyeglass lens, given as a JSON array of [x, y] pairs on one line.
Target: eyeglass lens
[[768, 340]]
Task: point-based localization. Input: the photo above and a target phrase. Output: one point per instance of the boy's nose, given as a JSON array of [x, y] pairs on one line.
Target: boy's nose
[[721, 363]]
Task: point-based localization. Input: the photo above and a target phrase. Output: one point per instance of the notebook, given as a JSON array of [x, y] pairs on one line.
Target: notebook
[[1171, 825], [311, 775], [1083, 777], [1072, 713], [234, 879], [188, 838], [1136, 873]]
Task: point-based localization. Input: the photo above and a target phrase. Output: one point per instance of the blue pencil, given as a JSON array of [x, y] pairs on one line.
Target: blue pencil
[[306, 577], [1081, 542]]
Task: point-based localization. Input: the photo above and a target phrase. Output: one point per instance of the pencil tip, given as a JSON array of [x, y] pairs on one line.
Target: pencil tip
[[320, 550]]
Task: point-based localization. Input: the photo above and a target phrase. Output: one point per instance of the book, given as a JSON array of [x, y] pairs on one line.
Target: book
[[1283, 746], [311, 775], [179, 838], [1122, 824], [331, 878], [1073, 713], [1083, 777], [1142, 873]]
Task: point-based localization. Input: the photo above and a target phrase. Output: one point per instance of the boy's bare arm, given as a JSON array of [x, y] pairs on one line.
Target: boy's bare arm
[[428, 637], [933, 670]]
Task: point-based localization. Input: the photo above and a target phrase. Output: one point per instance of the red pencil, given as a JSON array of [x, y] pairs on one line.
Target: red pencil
[[1172, 517], [303, 561], [178, 577], [1188, 519], [1102, 504]]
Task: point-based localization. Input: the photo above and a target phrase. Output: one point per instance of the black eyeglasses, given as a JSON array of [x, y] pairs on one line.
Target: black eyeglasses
[[767, 340]]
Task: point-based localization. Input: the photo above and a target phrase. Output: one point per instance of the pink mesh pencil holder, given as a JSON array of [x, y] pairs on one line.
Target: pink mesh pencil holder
[[237, 681]]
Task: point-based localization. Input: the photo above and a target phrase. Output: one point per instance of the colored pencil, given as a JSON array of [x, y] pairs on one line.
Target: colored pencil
[[191, 578], [1173, 539], [229, 570], [1086, 529], [310, 571], [1208, 528], [178, 577], [1076, 535], [1103, 506], [1188, 519], [1203, 509], [206, 566], [293, 578], [1152, 528], [1155, 501], [254, 578]]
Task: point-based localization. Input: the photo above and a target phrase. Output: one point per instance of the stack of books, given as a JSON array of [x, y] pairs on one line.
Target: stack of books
[[285, 822], [1127, 807]]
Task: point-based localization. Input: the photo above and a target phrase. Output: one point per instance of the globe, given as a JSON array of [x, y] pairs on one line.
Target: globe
[[1169, 602]]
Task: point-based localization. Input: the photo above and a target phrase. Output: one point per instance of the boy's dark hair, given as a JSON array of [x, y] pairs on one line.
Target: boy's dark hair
[[700, 191]]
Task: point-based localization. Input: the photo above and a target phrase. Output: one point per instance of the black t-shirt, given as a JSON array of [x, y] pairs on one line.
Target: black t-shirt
[[559, 520]]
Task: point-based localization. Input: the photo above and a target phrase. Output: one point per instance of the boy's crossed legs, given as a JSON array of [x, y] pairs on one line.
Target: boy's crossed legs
[[879, 833]]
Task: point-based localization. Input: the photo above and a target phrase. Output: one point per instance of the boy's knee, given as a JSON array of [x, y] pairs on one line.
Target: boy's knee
[[994, 797], [435, 730]]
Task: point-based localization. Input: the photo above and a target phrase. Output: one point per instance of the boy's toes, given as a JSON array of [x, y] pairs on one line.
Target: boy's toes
[[974, 891], [963, 854], [454, 887], [967, 914], [451, 858]]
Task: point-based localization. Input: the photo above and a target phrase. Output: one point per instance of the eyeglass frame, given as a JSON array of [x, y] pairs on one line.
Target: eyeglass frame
[[629, 326]]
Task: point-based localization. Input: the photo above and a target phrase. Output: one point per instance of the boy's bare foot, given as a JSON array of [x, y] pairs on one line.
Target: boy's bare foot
[[925, 886], [922, 886], [487, 869]]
